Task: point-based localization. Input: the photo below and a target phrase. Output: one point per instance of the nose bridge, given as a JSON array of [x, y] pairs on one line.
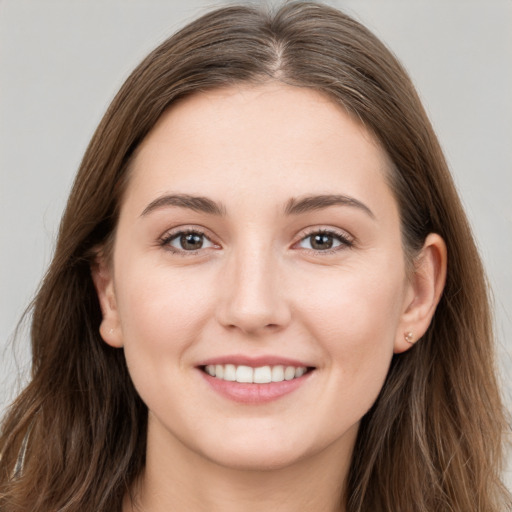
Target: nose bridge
[[253, 300]]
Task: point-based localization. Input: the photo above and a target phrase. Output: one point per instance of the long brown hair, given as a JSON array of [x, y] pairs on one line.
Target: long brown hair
[[74, 439]]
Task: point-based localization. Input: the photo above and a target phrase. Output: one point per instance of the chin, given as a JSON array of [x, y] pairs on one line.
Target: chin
[[255, 460], [263, 450]]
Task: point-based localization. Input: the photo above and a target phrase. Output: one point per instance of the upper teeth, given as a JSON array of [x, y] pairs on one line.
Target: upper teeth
[[259, 375]]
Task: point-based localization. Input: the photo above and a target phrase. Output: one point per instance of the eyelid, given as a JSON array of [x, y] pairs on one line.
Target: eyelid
[[171, 234], [347, 240]]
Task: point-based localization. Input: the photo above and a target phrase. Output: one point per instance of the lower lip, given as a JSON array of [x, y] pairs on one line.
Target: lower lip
[[254, 393]]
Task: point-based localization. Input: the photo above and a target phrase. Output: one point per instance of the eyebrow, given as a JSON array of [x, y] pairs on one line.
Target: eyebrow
[[296, 206], [196, 203]]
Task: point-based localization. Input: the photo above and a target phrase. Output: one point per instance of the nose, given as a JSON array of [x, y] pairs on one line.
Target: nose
[[253, 300]]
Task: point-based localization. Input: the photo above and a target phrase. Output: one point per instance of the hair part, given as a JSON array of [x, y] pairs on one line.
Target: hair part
[[433, 438]]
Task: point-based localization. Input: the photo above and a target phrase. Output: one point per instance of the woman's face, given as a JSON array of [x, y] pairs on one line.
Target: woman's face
[[258, 239]]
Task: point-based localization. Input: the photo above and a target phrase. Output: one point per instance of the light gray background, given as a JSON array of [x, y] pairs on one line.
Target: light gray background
[[61, 62]]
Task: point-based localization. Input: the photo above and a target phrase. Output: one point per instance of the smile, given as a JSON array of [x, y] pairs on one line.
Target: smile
[[258, 375], [255, 380]]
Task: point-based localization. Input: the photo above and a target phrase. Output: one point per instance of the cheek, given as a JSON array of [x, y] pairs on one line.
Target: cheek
[[354, 315], [161, 310], [161, 314]]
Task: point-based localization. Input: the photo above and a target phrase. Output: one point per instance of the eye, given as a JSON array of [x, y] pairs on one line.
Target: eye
[[187, 241], [324, 240]]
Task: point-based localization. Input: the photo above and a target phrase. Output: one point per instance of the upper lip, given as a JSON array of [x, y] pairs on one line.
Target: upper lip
[[254, 362]]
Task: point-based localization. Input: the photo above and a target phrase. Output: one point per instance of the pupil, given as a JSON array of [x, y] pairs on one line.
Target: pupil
[[321, 242], [191, 241]]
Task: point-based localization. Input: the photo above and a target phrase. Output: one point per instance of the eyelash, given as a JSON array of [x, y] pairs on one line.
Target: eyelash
[[343, 238], [345, 241], [166, 240]]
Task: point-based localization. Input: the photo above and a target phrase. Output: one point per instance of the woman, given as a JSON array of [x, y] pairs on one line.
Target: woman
[[265, 294]]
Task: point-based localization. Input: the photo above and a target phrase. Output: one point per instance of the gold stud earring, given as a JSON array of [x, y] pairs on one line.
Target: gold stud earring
[[409, 338], [111, 331]]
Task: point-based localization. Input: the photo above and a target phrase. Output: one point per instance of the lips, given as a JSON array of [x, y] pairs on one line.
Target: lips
[[254, 380]]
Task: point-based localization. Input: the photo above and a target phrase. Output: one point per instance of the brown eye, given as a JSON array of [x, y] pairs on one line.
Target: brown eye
[[188, 241], [324, 241], [191, 241], [321, 241]]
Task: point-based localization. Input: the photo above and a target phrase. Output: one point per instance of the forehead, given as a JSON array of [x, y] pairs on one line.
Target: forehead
[[274, 140]]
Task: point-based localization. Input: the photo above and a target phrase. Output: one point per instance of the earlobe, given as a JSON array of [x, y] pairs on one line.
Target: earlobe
[[424, 291], [102, 276]]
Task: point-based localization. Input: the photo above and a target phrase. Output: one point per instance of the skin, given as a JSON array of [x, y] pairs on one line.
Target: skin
[[259, 287]]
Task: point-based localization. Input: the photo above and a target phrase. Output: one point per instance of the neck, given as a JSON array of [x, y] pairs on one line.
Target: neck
[[177, 479]]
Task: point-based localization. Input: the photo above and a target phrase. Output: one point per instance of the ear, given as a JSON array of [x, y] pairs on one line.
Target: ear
[[103, 278], [424, 289]]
